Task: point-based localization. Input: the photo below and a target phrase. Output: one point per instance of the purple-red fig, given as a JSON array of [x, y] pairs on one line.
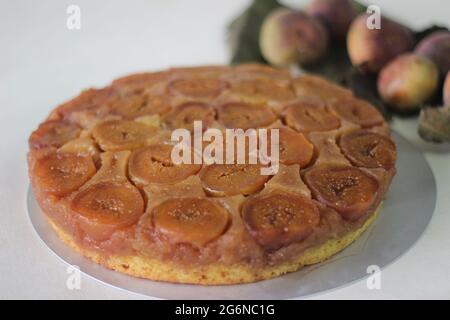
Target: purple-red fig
[[408, 82], [337, 15], [436, 46], [447, 90], [371, 49], [289, 36]]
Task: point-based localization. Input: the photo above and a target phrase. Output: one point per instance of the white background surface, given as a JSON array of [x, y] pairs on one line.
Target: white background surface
[[42, 63]]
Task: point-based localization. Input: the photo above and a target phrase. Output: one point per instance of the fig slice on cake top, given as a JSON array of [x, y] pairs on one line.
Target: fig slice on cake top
[[307, 117], [183, 116], [198, 87], [139, 104], [358, 111], [108, 201], [62, 173], [105, 207], [263, 88], [232, 179], [244, 116], [53, 133], [368, 149], [153, 164], [348, 190], [280, 219], [294, 148], [195, 221], [119, 135]]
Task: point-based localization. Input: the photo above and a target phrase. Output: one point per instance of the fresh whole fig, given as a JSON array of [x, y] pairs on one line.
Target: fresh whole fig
[[370, 49], [408, 82], [289, 36], [336, 14], [436, 46]]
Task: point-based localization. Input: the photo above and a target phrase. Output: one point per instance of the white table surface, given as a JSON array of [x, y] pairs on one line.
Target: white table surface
[[42, 63]]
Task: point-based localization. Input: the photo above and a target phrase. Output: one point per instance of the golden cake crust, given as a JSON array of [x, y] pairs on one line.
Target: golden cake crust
[[100, 167], [215, 273]]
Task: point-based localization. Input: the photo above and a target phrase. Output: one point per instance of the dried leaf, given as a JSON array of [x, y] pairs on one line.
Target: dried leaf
[[434, 124]]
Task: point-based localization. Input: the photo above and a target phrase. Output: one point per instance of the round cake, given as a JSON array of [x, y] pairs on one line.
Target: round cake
[[102, 169]]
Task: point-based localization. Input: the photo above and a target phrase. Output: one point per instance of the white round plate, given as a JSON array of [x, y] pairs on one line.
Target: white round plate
[[406, 212]]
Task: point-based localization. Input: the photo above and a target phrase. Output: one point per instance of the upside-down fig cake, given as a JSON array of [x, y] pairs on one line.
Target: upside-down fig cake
[[102, 170]]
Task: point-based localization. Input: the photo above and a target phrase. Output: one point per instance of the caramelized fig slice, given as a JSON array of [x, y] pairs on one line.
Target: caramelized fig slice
[[196, 221], [264, 88], [294, 148], [368, 149], [118, 135], [203, 72], [140, 81], [184, 116], [153, 164], [138, 105], [231, 179], [88, 100], [277, 219], [105, 207], [314, 87], [53, 134], [241, 115], [347, 189], [307, 117], [262, 72], [62, 173], [80, 146], [198, 87], [358, 111]]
